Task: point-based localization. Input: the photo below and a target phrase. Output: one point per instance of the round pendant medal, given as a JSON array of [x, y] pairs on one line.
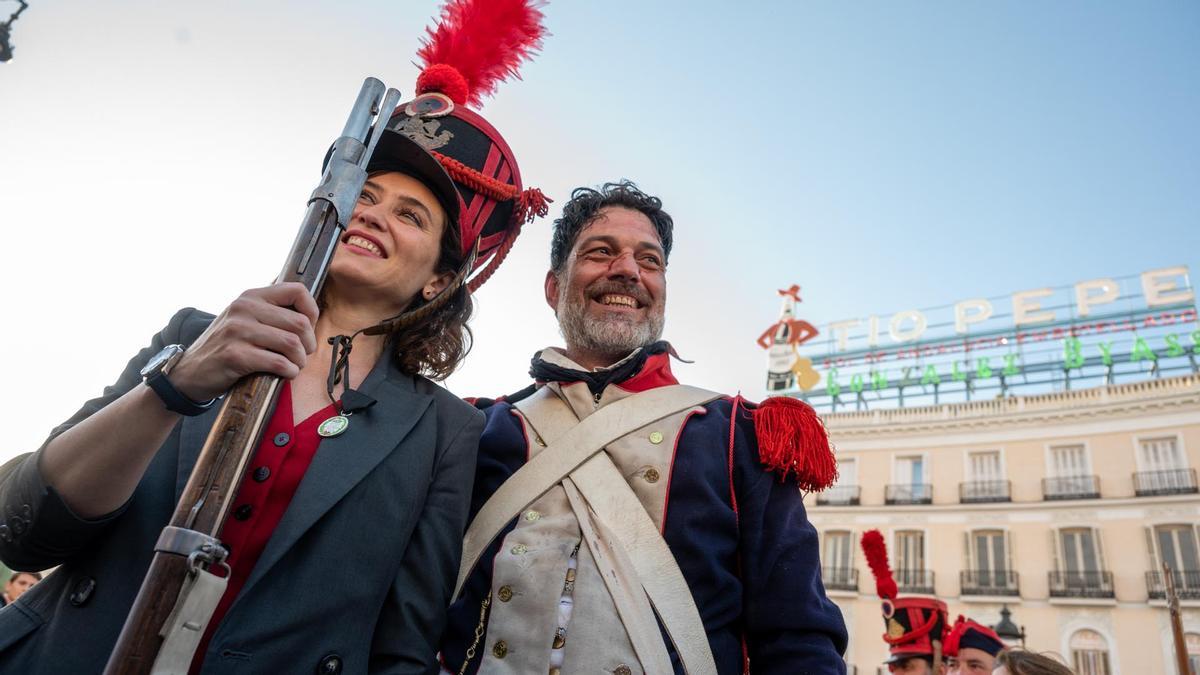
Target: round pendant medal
[[333, 426]]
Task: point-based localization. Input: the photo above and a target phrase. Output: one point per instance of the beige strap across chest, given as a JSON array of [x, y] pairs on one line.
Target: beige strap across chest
[[637, 565]]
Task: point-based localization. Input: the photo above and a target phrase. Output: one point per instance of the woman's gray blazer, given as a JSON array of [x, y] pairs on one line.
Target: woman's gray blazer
[[355, 578]]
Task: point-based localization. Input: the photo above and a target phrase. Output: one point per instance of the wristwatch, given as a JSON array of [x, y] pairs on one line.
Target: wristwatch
[[155, 376]]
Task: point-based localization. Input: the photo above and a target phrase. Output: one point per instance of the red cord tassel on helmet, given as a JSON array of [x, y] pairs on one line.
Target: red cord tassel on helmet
[[792, 438]]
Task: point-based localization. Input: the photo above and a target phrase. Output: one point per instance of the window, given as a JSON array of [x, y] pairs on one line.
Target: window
[[910, 562], [1069, 461], [984, 467], [846, 490], [1079, 565], [847, 472], [1069, 473], [910, 484], [989, 564], [837, 561], [1177, 547], [910, 470], [988, 558], [910, 550], [1079, 555], [1174, 545], [985, 478], [1161, 454], [838, 554], [1089, 653]]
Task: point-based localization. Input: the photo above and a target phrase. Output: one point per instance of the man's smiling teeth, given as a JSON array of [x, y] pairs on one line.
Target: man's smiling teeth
[[618, 300], [355, 240]]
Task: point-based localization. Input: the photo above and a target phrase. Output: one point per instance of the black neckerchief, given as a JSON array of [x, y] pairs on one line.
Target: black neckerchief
[[543, 371]]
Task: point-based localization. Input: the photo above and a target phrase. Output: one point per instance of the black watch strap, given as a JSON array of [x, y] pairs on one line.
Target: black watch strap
[[174, 399]]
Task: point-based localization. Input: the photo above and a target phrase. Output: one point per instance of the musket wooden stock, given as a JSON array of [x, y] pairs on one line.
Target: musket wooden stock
[[202, 507]]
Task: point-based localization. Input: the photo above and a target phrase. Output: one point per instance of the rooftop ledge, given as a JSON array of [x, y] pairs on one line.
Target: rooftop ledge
[[1165, 394]]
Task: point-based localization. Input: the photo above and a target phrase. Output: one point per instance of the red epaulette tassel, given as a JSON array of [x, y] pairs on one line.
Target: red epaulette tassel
[[792, 438]]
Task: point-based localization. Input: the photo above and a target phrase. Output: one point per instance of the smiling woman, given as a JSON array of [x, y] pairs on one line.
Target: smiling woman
[[365, 465]]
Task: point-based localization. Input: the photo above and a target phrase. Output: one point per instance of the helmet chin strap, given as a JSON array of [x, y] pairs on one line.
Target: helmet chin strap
[[339, 363]]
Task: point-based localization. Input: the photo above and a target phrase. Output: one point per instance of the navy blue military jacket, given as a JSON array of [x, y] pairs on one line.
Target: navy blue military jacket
[[738, 531]]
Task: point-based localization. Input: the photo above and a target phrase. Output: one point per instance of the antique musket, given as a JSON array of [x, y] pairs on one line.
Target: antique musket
[[180, 589]]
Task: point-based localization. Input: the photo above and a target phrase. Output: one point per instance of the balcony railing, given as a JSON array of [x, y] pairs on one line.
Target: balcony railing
[[1071, 487], [916, 493], [988, 582], [979, 492], [840, 495], [1097, 584], [1187, 585], [914, 581], [1155, 483], [840, 578]]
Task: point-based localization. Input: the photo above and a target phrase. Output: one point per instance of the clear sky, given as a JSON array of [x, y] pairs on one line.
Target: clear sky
[[884, 156]]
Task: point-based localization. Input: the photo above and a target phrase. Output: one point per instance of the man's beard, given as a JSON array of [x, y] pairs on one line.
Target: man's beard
[[613, 336]]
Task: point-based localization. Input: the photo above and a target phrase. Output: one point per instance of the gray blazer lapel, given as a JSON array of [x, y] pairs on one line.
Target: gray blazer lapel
[[341, 462]]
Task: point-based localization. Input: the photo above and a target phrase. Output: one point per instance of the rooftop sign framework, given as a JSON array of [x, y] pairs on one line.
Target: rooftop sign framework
[[1099, 331]]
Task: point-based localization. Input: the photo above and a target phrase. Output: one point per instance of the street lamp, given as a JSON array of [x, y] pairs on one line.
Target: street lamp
[[1007, 630], [6, 50]]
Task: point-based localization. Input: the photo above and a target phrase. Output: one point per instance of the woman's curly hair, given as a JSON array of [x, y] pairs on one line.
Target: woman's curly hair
[[436, 346]]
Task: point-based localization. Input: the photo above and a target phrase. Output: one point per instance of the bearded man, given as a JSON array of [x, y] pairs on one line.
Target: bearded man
[[623, 523]]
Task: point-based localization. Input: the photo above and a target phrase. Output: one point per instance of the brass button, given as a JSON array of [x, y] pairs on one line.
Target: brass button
[[505, 593], [532, 516], [519, 549], [651, 475], [622, 670], [656, 437], [500, 649], [570, 574], [538, 439]]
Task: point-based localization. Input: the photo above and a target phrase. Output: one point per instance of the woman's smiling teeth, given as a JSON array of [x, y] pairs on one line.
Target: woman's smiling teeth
[[364, 243], [623, 300]]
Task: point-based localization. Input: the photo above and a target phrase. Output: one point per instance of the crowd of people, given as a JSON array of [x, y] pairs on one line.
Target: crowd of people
[[921, 641]]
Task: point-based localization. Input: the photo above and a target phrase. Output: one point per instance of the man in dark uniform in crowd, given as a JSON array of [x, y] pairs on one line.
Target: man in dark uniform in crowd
[[971, 648], [660, 503]]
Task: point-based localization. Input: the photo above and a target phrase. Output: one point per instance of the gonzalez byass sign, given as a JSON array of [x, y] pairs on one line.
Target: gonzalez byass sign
[[1104, 327]]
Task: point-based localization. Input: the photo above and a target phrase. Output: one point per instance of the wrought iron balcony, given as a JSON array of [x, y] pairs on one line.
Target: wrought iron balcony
[[1097, 584], [988, 582], [1156, 483], [840, 578], [980, 492], [840, 495], [1071, 487], [1187, 585], [914, 581], [915, 493]]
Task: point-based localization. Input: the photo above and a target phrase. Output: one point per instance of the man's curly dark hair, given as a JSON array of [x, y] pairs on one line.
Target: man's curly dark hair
[[585, 205]]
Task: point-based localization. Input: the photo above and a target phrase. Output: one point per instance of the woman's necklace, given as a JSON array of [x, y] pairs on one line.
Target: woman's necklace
[[352, 401]]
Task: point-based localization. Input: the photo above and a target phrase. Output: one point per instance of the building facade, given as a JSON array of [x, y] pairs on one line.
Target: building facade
[[1061, 506]]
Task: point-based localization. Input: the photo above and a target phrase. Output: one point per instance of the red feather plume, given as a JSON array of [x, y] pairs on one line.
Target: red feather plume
[[484, 41], [875, 550]]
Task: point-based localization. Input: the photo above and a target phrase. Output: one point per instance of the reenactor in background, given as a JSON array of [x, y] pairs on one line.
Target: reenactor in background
[[916, 626], [971, 648]]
